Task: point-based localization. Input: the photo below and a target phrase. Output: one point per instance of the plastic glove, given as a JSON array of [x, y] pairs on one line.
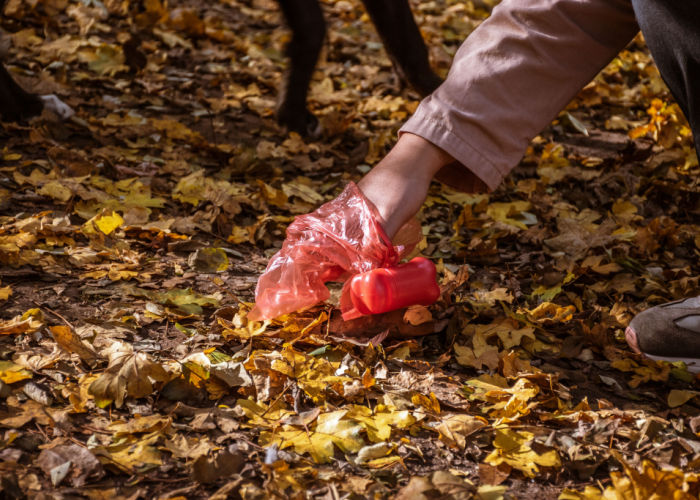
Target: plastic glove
[[341, 238]]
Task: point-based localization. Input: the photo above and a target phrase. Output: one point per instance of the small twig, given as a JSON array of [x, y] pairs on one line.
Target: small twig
[[284, 391], [42, 432], [328, 323], [77, 441], [211, 124], [96, 430], [55, 314]]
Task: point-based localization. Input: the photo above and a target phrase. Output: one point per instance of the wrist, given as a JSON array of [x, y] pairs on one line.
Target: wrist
[[421, 156]]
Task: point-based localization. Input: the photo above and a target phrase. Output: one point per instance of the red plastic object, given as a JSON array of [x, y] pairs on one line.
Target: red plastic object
[[389, 288], [341, 238]]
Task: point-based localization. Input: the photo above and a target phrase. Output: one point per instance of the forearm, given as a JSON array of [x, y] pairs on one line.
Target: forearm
[[399, 183]]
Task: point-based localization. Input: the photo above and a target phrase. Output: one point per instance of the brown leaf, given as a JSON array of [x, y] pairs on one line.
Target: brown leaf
[[128, 374], [417, 315], [20, 324], [225, 463], [70, 342], [83, 464], [488, 474]]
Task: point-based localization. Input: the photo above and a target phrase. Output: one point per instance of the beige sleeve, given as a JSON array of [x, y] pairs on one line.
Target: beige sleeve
[[512, 76]]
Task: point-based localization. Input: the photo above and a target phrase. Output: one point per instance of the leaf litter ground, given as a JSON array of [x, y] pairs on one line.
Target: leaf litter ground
[[131, 238]]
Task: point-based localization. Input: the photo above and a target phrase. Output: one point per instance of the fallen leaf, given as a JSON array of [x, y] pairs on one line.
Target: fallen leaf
[[11, 372], [679, 397], [69, 341], [82, 463], [129, 374], [29, 322], [455, 428], [417, 315], [512, 448]]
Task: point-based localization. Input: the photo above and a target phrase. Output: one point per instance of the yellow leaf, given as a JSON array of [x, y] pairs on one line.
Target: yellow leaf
[[104, 60], [509, 213], [175, 130], [549, 311], [378, 423], [55, 190], [11, 373], [429, 403], [678, 398], [29, 322], [303, 189], [512, 366], [624, 208], [513, 449], [651, 483], [331, 429], [189, 448], [209, 260], [78, 393], [589, 493], [644, 372], [315, 376], [242, 234], [131, 454], [261, 415], [505, 329], [367, 379], [240, 327], [5, 292], [151, 423], [130, 119], [94, 275], [275, 197], [505, 402], [116, 274], [490, 492], [374, 451], [22, 413], [384, 462], [108, 223], [70, 342], [187, 20]]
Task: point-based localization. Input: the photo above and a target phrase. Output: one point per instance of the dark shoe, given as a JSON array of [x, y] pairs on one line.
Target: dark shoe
[[668, 332]]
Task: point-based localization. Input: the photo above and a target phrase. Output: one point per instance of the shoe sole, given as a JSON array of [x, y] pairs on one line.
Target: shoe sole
[[693, 364]]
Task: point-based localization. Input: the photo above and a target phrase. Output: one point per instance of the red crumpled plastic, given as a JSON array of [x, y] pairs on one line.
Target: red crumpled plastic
[[340, 239]]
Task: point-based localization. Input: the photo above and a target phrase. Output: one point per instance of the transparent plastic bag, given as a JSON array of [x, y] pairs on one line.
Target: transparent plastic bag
[[341, 238]]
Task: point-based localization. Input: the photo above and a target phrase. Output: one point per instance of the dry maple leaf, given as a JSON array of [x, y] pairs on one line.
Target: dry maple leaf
[[129, 373]]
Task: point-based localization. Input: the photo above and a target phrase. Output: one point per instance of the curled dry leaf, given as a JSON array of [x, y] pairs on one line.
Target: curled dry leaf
[[70, 342], [29, 322], [129, 374], [82, 463], [417, 315]]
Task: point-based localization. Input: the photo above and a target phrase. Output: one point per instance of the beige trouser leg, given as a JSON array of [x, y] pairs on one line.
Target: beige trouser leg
[[512, 76]]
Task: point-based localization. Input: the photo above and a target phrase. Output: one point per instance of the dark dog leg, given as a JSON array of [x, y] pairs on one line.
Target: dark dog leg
[[305, 18], [397, 29], [15, 103]]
